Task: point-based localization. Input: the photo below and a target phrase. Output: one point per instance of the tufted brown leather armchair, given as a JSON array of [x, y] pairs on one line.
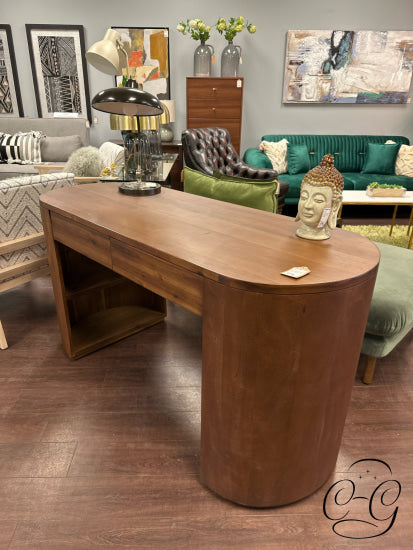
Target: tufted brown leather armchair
[[209, 149]]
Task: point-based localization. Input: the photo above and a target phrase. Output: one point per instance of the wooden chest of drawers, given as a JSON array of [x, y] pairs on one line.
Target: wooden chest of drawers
[[215, 102]]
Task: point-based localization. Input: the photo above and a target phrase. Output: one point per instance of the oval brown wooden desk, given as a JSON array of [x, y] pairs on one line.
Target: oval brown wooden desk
[[279, 355]]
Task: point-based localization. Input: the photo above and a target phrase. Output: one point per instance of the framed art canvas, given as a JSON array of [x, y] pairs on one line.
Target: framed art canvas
[[148, 62], [57, 55], [10, 98], [348, 66]]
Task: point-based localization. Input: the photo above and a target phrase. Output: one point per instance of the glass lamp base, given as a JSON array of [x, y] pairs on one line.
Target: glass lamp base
[[139, 188]]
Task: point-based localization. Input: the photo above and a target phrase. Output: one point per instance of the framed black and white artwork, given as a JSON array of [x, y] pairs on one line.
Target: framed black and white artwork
[[10, 98], [57, 56]]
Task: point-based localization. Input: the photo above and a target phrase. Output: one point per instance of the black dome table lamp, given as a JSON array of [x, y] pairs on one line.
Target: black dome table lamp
[[132, 102]]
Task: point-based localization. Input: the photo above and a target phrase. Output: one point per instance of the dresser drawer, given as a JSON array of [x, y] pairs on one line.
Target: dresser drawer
[[215, 102], [210, 108], [88, 242], [214, 88]]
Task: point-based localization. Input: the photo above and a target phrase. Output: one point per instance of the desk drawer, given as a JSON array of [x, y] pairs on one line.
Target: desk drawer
[[88, 242], [174, 283]]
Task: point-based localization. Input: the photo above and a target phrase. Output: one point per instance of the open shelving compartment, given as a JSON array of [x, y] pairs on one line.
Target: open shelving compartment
[[103, 306]]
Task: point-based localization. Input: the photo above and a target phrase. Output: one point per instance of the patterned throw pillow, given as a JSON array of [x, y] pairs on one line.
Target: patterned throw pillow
[[404, 160], [276, 151], [21, 148]]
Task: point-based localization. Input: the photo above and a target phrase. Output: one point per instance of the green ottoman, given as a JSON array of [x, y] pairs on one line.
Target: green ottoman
[[391, 310]]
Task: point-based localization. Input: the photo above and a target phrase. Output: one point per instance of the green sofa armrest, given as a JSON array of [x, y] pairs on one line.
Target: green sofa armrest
[[257, 158]]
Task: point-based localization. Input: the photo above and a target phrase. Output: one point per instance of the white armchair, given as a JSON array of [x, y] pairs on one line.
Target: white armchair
[[22, 248]]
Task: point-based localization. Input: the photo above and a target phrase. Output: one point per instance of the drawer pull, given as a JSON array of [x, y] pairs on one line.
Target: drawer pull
[[213, 108], [214, 89]]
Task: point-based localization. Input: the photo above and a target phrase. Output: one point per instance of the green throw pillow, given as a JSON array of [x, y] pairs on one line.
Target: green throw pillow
[[298, 158], [380, 158], [258, 194]]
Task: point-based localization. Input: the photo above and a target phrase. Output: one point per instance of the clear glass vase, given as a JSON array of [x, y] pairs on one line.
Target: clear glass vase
[[230, 59], [202, 59]]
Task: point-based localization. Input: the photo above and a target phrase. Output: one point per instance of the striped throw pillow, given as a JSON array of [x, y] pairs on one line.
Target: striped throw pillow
[[21, 148]]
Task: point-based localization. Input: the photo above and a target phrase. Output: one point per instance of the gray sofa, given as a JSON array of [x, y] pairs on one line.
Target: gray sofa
[[63, 136]]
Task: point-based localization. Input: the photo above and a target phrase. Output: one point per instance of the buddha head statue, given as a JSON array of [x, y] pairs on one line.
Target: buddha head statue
[[320, 200]]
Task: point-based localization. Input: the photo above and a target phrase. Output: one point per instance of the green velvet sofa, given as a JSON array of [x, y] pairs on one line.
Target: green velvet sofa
[[349, 153]]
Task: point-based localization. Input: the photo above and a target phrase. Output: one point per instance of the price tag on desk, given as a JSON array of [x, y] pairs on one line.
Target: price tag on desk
[[297, 272]]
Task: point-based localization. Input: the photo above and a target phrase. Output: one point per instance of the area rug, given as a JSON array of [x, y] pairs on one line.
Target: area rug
[[380, 233]]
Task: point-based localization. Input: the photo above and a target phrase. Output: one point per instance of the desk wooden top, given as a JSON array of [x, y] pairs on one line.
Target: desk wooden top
[[238, 246]]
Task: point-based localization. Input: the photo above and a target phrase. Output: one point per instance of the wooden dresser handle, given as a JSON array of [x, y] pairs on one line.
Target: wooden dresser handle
[[214, 89], [213, 108]]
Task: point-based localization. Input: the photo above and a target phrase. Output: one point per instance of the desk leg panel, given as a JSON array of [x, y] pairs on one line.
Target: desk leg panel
[[56, 274], [277, 374]]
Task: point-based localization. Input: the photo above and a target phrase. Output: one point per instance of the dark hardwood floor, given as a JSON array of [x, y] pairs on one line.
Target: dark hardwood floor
[[103, 452]]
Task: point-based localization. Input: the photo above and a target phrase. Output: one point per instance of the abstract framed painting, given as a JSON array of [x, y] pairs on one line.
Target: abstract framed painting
[[57, 56], [10, 98], [348, 66], [148, 58]]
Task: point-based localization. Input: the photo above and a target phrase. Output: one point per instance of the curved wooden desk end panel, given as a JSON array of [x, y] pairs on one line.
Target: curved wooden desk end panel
[[277, 374]]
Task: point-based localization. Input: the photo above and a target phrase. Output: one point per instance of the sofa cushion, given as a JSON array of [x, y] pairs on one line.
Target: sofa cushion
[[391, 313], [361, 181], [380, 159], [277, 153], [391, 308], [259, 194], [20, 148], [59, 149], [294, 182]]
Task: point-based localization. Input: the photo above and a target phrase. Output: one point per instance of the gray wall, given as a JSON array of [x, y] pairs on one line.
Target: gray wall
[[263, 56]]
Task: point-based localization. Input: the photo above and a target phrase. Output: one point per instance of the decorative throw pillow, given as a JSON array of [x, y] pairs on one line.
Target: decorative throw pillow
[[258, 194], [404, 161], [298, 158], [59, 149], [380, 158], [276, 151], [21, 148], [112, 153]]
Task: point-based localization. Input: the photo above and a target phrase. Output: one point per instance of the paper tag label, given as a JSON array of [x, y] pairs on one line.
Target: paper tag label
[[66, 115], [324, 217], [239, 83], [297, 272], [165, 33]]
